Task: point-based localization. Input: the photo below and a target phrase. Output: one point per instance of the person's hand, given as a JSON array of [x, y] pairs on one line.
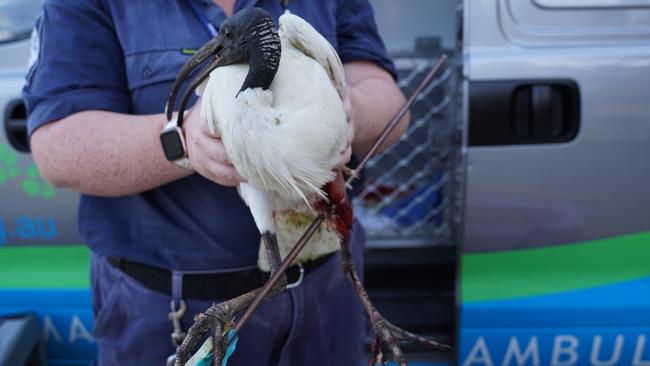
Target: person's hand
[[206, 151], [349, 103]]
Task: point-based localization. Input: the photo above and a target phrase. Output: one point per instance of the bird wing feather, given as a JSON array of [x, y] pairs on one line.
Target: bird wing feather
[[287, 139], [302, 36]]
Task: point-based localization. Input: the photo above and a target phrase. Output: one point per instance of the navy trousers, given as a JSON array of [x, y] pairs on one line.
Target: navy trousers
[[320, 322]]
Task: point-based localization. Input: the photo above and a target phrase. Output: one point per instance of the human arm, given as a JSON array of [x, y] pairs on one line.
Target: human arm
[[373, 99], [83, 133], [373, 96], [104, 153], [115, 154]]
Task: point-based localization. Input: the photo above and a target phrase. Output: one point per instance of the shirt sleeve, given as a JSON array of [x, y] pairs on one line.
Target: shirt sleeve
[[77, 64], [357, 35]]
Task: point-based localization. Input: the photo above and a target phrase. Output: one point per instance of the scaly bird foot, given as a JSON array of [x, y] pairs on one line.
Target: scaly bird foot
[[216, 321], [385, 334]]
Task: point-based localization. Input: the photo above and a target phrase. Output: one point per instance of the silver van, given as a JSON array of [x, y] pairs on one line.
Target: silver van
[[512, 219]]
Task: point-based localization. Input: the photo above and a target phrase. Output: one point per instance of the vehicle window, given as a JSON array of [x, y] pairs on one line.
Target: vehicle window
[[592, 3], [17, 18], [404, 23]]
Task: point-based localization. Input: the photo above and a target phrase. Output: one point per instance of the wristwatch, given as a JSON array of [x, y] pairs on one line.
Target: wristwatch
[[172, 139]]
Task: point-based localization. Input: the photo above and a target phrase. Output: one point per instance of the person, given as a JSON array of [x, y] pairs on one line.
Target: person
[[164, 236]]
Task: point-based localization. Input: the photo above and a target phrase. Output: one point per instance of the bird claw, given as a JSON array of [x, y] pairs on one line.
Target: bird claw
[[377, 356], [214, 321], [217, 321], [349, 172], [386, 334]]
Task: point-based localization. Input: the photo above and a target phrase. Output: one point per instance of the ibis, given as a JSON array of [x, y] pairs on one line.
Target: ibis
[[275, 96]]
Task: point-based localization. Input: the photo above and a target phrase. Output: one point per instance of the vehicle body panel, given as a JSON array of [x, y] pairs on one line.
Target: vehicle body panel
[[52, 281], [555, 235], [31, 211]]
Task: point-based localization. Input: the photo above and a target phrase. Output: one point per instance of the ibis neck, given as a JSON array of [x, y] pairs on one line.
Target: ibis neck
[[264, 55], [261, 72]]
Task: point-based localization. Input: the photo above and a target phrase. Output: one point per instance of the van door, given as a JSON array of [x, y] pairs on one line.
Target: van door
[[556, 238], [32, 212]]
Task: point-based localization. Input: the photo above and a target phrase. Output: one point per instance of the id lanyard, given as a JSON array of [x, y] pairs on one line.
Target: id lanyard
[[212, 30]]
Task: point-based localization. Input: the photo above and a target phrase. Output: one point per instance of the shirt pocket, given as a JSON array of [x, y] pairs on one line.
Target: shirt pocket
[[150, 76], [154, 66]]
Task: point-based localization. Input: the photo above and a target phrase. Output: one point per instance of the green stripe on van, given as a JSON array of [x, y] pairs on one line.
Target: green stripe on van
[[44, 267], [541, 271]]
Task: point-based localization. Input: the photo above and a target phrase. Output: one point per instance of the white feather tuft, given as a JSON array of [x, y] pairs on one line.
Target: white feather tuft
[[261, 206], [291, 224], [306, 39]]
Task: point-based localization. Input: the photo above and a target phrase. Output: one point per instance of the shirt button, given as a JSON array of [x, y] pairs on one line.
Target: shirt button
[[146, 72]]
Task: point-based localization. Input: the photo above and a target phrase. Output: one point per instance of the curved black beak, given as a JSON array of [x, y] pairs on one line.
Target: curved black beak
[[213, 48]]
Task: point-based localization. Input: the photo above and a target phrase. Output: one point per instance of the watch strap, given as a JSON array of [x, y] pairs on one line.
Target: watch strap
[[183, 162]]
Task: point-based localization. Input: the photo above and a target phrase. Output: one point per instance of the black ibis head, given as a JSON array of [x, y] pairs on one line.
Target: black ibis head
[[248, 36]]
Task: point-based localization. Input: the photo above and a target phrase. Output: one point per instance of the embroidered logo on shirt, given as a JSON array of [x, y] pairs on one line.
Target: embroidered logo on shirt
[[35, 49]]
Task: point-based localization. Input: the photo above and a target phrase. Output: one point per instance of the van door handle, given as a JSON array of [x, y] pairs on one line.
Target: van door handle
[[15, 123], [512, 112]]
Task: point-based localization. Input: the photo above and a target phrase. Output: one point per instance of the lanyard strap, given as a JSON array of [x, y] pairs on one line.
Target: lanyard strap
[[212, 30]]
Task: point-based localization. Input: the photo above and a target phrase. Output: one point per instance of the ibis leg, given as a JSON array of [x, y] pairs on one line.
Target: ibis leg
[[385, 334], [272, 250], [218, 319]]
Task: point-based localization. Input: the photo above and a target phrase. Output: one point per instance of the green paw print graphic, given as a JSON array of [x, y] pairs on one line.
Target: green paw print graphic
[[35, 186], [8, 168], [32, 183]]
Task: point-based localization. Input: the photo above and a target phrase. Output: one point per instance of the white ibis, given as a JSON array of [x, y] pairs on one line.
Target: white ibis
[[276, 100]]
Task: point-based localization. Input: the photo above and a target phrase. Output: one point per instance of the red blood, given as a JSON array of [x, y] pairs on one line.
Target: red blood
[[338, 210]]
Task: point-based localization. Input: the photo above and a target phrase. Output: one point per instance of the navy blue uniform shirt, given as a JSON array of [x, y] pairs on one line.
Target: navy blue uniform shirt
[[123, 56]]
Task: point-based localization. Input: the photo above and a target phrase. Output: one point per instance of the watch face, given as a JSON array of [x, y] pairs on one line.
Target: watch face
[[172, 144]]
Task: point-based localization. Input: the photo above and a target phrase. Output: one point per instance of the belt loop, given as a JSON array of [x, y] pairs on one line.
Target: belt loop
[[177, 288], [299, 280], [177, 308]]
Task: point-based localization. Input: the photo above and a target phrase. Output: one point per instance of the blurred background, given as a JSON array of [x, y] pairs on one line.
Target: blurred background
[[511, 220]]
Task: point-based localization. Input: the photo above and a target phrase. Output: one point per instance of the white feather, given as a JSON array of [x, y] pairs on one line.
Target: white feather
[[305, 38], [261, 206], [286, 139]]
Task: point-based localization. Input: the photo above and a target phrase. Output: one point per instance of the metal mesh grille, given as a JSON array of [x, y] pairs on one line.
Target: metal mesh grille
[[408, 196]]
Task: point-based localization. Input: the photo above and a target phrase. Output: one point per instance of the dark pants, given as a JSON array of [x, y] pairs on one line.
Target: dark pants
[[319, 322]]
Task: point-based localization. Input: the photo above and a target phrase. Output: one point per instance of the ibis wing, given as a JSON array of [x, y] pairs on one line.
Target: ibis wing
[[305, 38]]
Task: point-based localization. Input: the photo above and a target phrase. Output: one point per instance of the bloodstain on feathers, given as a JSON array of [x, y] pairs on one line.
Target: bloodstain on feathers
[[337, 209]]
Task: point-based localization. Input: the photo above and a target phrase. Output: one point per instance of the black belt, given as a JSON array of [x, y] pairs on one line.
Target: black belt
[[212, 286]]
